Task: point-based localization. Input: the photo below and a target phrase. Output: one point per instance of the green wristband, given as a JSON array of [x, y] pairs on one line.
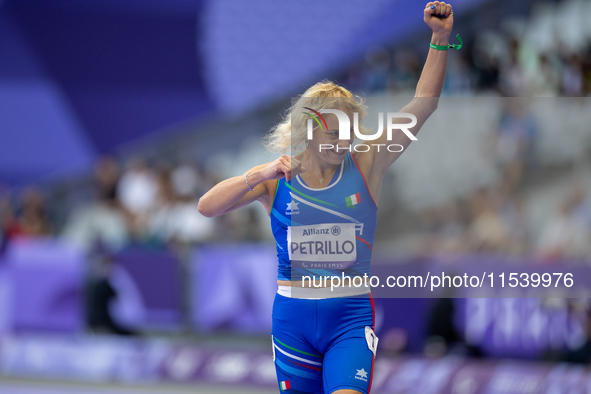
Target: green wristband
[[446, 47]]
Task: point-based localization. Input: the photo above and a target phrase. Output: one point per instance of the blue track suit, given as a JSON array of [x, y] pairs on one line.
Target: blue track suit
[[323, 345]]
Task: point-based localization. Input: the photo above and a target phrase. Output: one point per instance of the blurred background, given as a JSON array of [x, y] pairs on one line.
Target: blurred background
[[116, 116]]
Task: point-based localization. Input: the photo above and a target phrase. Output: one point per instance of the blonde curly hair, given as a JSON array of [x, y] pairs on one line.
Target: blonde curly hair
[[291, 133]]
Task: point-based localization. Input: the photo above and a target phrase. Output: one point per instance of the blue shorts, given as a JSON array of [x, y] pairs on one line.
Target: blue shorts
[[320, 346]]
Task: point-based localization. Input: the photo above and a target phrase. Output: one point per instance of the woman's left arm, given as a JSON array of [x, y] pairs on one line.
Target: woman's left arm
[[440, 20]]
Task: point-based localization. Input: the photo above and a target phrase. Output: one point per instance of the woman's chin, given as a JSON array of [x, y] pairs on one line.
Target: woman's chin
[[338, 156]]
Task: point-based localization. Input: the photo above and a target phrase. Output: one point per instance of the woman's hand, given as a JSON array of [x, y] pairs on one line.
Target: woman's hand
[[439, 17], [235, 192], [285, 166]]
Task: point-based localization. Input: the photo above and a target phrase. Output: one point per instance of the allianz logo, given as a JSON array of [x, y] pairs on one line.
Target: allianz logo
[[334, 230], [315, 231]]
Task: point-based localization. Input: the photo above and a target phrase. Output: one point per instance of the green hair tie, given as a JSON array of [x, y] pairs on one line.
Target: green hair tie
[[446, 47]]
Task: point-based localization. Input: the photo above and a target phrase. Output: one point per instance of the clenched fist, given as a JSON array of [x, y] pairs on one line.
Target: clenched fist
[[439, 16], [284, 167]]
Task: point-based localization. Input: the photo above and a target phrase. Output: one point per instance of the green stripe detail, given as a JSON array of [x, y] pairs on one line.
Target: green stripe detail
[[296, 350], [310, 197], [315, 118], [274, 195]]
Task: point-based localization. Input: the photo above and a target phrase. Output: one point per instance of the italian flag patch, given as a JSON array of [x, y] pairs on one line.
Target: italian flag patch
[[285, 385], [353, 200]]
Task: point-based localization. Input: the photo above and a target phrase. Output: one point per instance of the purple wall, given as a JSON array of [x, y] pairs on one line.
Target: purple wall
[[46, 292], [146, 362]]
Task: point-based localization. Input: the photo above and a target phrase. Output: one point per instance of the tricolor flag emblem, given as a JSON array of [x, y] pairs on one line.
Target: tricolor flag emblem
[[285, 385], [353, 200]]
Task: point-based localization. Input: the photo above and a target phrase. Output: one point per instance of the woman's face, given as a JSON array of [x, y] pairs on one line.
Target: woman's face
[[326, 144]]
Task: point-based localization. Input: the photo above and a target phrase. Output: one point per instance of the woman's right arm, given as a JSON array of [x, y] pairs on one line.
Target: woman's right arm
[[234, 193]]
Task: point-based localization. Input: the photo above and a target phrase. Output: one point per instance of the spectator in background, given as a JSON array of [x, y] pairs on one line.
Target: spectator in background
[[354, 77], [452, 229], [176, 218], [101, 295], [376, 77], [443, 337], [164, 203], [9, 226], [101, 221], [407, 70], [513, 80], [488, 231], [241, 225], [137, 187], [185, 181], [106, 177], [187, 225], [8, 221], [581, 203], [546, 82], [581, 354], [586, 69], [512, 211], [443, 229], [572, 77], [34, 219], [441, 331], [190, 226], [487, 68], [514, 141], [566, 233], [459, 77], [137, 191], [429, 220]]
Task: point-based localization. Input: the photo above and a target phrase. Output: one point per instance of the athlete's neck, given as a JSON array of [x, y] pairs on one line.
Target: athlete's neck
[[317, 166]]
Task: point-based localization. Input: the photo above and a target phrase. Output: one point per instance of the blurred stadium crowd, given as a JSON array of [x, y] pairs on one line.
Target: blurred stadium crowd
[[134, 204], [513, 180], [546, 55], [157, 205], [130, 201]]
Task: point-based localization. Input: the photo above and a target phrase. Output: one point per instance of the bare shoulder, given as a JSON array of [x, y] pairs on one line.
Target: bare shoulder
[[372, 174], [364, 162]]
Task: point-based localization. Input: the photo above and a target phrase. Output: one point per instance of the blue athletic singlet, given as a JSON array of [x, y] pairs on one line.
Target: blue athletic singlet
[[323, 345], [326, 231]]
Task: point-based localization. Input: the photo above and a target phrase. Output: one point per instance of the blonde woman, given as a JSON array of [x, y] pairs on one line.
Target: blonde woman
[[326, 344]]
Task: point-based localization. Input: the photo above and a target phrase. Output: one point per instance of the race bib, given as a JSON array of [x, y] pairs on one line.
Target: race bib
[[324, 246]]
